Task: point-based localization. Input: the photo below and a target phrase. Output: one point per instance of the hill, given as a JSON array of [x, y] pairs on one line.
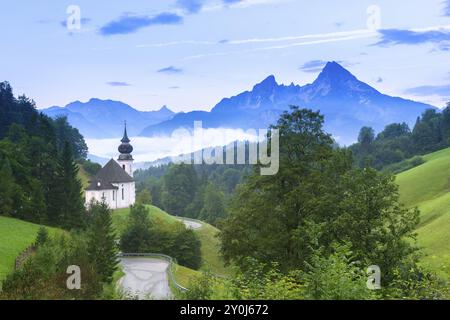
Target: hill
[[428, 187], [15, 236], [207, 235], [346, 102]]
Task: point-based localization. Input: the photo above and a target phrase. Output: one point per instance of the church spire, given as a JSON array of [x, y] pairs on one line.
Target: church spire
[[125, 135]]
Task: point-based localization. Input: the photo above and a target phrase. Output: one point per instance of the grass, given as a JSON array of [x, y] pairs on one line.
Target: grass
[[183, 275], [428, 188], [207, 235], [15, 236]]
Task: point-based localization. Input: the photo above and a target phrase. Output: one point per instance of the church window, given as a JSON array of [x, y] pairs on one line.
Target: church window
[[123, 194]]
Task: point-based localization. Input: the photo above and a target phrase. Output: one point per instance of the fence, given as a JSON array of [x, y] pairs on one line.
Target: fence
[[170, 270]]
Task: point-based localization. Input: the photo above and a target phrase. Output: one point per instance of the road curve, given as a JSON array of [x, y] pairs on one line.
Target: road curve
[[190, 224], [145, 278]]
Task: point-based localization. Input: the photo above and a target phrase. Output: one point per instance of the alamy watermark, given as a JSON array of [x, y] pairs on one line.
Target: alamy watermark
[[74, 280], [264, 149]]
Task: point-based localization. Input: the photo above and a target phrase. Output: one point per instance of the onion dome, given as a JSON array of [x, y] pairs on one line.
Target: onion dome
[[125, 148]]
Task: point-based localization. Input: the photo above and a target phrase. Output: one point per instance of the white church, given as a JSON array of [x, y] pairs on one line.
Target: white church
[[114, 184]]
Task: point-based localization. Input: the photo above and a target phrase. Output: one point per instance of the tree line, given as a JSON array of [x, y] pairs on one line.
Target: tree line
[[38, 164], [192, 191], [397, 142]]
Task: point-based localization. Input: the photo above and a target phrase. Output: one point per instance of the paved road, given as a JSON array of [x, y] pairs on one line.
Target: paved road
[[145, 278], [190, 224]]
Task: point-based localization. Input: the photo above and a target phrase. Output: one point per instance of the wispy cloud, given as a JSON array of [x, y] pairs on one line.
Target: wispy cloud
[[175, 43], [174, 88], [447, 8], [131, 23], [441, 90], [170, 70], [118, 84]]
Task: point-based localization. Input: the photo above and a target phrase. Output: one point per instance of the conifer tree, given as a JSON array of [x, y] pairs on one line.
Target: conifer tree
[[71, 204], [102, 249]]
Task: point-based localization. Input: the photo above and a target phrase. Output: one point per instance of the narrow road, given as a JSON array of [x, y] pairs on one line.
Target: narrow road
[[145, 278], [190, 224]]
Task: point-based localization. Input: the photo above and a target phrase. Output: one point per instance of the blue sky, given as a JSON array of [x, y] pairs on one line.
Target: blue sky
[[188, 54]]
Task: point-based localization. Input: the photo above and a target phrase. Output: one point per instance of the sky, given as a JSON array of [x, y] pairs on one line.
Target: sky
[[189, 54]]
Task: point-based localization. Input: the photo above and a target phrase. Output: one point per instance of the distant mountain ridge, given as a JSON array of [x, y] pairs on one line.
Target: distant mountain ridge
[[104, 118], [346, 102]]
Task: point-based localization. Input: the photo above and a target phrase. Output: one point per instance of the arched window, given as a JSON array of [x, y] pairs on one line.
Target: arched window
[[123, 166], [123, 194]]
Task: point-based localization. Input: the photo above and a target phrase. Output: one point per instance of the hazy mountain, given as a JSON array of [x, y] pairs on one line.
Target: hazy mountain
[[347, 103], [104, 118]]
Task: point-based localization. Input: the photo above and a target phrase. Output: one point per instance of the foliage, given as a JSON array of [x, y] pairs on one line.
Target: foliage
[[36, 156], [316, 200], [144, 235], [43, 276], [101, 244], [397, 142]]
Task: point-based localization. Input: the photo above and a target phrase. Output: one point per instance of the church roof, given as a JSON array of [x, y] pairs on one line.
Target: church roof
[[111, 173]]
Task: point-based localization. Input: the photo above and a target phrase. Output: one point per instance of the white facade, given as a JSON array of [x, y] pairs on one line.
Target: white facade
[[127, 165], [122, 197]]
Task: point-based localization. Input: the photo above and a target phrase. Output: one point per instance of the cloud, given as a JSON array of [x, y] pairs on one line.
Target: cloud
[[391, 37], [191, 6], [314, 66], [447, 8], [131, 23], [174, 87], [170, 70], [442, 90], [118, 84]]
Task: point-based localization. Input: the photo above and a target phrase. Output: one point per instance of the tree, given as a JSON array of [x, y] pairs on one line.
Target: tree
[[42, 236], [179, 188], [101, 248], [316, 200], [71, 205], [365, 138], [137, 237], [214, 205], [144, 197], [9, 190]]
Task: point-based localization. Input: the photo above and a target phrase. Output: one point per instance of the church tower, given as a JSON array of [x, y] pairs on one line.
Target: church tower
[[125, 158]]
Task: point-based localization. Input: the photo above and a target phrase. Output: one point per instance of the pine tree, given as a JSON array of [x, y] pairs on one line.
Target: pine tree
[[102, 250], [71, 204], [8, 190]]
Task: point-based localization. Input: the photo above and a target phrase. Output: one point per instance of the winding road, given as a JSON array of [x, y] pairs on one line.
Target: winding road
[[190, 224], [146, 278]]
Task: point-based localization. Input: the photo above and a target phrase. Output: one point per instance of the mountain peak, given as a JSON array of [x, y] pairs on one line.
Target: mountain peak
[[334, 70], [165, 109], [267, 84]]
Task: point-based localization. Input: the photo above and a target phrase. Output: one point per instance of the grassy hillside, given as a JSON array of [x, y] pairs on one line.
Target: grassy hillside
[[207, 235], [428, 187], [15, 236]]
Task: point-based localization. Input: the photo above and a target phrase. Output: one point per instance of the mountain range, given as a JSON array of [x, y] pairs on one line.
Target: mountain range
[[346, 102], [105, 118]]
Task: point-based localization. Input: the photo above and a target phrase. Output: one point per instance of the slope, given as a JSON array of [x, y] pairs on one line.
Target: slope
[[15, 236], [428, 187]]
